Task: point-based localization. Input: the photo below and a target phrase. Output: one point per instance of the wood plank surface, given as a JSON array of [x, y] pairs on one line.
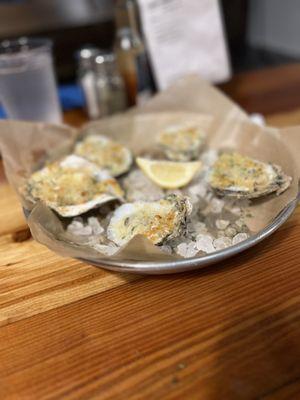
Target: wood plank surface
[[69, 330], [266, 91]]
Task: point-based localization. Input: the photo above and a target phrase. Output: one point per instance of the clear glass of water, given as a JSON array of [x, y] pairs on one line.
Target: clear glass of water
[[27, 83]]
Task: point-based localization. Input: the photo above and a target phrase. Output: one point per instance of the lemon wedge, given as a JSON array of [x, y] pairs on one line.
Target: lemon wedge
[[169, 174]]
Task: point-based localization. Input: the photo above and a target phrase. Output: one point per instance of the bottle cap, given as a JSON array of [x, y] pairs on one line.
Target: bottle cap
[[86, 56], [105, 62]]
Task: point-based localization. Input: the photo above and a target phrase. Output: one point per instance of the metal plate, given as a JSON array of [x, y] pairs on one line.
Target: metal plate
[[171, 267]]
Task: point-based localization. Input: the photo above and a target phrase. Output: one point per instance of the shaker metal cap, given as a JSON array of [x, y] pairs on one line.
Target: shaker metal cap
[[105, 58], [86, 56], [105, 61], [88, 52]]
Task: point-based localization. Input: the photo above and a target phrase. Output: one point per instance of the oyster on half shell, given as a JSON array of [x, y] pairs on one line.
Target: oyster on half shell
[[72, 186], [244, 177], [181, 142], [107, 154], [157, 220]]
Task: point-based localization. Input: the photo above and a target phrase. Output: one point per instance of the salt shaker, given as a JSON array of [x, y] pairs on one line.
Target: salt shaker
[[110, 87], [87, 79]]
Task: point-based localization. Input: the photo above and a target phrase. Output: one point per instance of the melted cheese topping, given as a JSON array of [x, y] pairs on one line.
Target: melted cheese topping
[[65, 186], [235, 172], [156, 221], [181, 139], [107, 154]]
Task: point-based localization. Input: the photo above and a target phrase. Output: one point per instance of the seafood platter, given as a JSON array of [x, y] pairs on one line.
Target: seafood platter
[[177, 200]]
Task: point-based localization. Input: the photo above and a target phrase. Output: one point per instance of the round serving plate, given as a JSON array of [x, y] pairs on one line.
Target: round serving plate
[[189, 264]]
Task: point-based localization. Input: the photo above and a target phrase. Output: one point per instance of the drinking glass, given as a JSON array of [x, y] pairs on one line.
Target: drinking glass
[[27, 82]]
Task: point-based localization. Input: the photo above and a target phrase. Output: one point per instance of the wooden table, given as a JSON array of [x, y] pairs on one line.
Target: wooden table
[[230, 331]]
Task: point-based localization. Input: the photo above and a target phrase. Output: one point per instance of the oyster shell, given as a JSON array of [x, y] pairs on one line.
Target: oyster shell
[[107, 154], [244, 177], [72, 186], [157, 220], [181, 142]]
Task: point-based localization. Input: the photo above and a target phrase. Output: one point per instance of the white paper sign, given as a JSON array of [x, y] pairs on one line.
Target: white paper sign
[[182, 37]]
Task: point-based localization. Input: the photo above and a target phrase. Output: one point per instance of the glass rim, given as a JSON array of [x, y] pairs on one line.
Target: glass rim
[[23, 46]]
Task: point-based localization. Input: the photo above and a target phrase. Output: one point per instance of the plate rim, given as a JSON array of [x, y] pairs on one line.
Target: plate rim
[[189, 264]]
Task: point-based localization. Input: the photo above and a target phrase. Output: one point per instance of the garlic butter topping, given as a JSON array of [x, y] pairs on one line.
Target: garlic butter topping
[[157, 220], [237, 175], [72, 186], [107, 154], [181, 142]]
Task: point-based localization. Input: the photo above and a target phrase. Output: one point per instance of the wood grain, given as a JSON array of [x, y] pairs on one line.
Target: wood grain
[[32, 278], [75, 117], [228, 332], [291, 118], [71, 331], [266, 91]]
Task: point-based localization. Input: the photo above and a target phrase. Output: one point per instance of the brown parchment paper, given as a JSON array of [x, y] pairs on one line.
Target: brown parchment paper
[[25, 147]]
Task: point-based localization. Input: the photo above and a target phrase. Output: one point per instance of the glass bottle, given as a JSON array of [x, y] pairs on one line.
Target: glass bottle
[[111, 94], [131, 54], [87, 79]]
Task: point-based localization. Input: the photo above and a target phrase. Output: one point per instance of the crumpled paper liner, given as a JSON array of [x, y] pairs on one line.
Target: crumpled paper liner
[[25, 146]]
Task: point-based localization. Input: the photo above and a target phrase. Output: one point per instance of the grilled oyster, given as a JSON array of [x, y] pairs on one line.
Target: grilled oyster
[[243, 177], [157, 220], [181, 142], [106, 153], [72, 186]]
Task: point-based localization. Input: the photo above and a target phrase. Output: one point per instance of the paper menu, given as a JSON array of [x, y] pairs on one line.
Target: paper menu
[[182, 37]]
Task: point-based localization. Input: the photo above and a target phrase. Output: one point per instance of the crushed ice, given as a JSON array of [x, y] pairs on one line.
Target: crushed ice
[[214, 224]]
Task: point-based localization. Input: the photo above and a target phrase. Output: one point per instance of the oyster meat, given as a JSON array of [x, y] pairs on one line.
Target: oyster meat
[[181, 142], [72, 186], [244, 177], [157, 220], [107, 154]]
